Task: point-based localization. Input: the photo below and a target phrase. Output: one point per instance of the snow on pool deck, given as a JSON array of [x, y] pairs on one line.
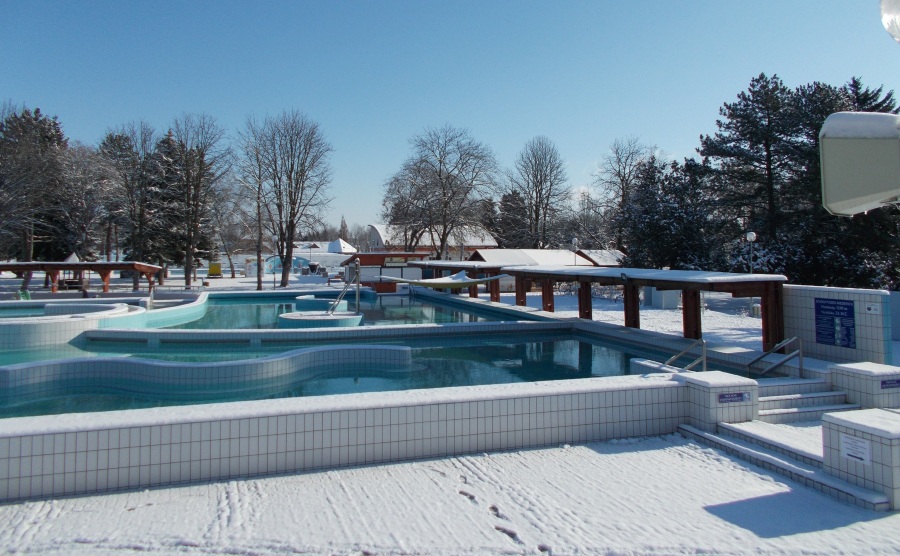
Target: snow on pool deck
[[658, 495]]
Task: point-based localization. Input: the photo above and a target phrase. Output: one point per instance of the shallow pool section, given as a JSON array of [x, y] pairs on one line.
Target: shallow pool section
[[221, 373], [248, 312]]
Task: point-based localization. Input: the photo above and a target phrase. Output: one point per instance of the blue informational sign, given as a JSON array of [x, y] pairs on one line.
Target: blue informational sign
[[890, 383], [835, 323]]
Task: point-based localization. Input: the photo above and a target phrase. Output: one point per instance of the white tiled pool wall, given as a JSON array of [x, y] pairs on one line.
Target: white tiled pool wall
[[871, 385], [393, 427], [177, 379], [863, 456], [872, 316]]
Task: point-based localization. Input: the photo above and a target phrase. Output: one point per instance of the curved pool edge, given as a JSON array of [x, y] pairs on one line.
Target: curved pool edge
[[223, 379]]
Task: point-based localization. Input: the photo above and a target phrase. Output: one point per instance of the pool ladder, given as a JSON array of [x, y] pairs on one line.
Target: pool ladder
[[340, 297], [695, 362]]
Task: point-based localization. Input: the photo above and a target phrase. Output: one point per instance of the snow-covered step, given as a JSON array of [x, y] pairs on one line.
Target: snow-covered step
[[799, 441], [787, 386], [802, 400], [804, 474], [808, 413]]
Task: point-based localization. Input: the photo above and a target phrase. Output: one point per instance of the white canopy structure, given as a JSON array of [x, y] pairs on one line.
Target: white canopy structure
[[457, 281], [860, 158], [340, 246]]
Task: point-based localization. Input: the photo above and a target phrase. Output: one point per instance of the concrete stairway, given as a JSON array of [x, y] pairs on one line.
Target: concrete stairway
[[786, 400], [787, 438]]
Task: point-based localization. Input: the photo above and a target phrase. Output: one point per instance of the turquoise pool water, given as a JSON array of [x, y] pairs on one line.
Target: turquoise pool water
[[379, 310], [436, 363]]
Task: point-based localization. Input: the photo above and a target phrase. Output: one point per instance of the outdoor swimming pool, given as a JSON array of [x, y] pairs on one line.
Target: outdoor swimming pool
[[117, 419], [433, 363]]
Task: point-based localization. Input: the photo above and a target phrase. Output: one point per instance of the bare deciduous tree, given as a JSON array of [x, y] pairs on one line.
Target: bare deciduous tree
[[251, 174], [287, 158], [443, 183], [539, 178], [615, 180]]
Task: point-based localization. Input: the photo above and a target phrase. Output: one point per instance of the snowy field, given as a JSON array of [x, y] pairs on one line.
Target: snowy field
[[658, 495]]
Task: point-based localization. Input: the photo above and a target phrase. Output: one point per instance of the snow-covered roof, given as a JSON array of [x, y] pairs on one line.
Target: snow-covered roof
[[684, 276], [603, 257], [469, 237], [529, 257], [340, 246]]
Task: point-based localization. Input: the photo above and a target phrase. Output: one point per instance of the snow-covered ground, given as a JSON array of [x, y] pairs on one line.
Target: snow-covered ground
[[659, 495]]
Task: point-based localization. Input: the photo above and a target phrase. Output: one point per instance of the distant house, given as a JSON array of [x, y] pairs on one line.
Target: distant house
[[530, 257], [383, 237]]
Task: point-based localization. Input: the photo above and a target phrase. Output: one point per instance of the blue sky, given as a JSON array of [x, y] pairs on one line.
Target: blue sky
[[375, 73]]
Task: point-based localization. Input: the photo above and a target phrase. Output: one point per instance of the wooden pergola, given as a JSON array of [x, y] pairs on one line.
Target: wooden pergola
[[768, 287], [103, 269]]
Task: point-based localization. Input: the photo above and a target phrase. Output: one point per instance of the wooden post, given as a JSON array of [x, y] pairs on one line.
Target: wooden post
[[104, 275], [772, 309], [521, 291], [690, 314], [494, 289], [632, 306], [473, 290], [547, 295], [585, 311], [54, 279], [149, 276]]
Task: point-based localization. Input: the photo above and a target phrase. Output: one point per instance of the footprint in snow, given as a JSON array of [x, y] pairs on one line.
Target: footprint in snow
[[509, 533], [468, 495], [497, 513], [545, 549]]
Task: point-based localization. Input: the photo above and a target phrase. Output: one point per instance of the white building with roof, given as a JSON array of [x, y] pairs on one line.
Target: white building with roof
[[385, 237]]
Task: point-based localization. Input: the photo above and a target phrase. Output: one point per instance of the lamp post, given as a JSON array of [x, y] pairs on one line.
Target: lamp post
[[751, 239], [575, 249], [275, 249]]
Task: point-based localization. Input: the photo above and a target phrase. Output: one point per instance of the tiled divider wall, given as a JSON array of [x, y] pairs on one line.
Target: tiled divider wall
[[873, 328], [870, 385], [45, 331], [56, 455], [168, 316]]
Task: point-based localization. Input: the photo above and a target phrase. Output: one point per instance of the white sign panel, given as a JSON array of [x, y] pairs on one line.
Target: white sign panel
[[856, 449]]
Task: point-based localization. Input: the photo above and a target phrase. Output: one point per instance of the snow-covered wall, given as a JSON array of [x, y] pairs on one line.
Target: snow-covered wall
[[840, 324]]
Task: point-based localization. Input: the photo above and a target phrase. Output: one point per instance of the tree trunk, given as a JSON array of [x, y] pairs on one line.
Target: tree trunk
[[27, 254], [259, 235]]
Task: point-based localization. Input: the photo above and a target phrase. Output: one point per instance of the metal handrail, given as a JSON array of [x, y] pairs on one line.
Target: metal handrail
[[340, 297], [781, 345], [694, 363]]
